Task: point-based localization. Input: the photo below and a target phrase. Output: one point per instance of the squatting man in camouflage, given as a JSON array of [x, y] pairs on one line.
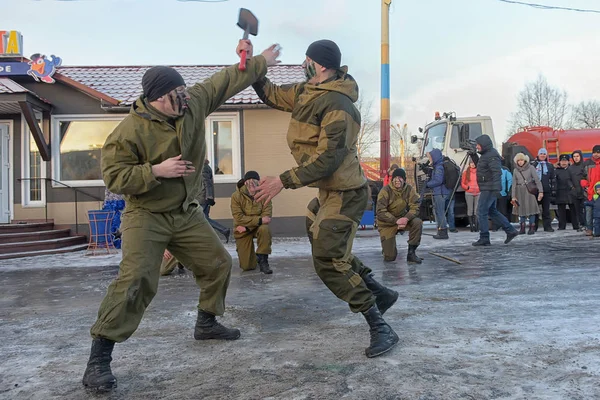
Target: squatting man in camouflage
[[398, 210], [251, 220], [154, 157], [322, 136]]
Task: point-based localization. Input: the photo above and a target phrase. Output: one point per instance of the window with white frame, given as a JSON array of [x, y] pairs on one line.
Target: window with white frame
[[77, 142], [223, 146], [33, 168]]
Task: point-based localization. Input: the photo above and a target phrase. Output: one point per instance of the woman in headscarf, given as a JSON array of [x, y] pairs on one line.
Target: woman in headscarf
[[525, 204]]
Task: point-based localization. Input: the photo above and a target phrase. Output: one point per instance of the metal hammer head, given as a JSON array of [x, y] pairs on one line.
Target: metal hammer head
[[248, 22]]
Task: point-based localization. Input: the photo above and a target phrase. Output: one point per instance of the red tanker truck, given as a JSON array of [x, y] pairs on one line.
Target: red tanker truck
[[557, 142]]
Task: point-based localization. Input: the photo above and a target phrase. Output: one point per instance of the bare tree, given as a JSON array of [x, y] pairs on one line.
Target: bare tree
[[368, 135], [586, 115], [539, 104]]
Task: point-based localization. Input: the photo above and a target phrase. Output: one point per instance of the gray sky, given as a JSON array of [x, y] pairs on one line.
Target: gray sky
[[468, 56]]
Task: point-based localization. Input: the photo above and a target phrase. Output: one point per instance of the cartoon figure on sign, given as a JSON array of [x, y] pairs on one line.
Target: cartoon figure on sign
[[42, 69]]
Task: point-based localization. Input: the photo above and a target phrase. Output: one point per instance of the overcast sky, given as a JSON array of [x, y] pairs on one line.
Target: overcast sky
[[467, 56]]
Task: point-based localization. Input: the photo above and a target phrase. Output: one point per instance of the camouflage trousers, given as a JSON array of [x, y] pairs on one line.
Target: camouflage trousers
[[146, 235], [331, 226], [244, 245], [388, 232]]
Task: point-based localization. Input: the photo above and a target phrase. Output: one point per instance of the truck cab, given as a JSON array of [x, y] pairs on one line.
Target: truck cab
[[452, 136]]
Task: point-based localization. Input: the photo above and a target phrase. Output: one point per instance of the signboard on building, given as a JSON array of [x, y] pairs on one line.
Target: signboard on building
[[40, 67], [11, 44]]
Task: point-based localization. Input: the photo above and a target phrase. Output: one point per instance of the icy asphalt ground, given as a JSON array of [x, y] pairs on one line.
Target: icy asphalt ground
[[517, 321]]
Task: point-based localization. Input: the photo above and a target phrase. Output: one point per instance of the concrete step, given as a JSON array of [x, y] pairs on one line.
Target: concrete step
[[34, 253], [27, 227], [20, 247], [33, 236]]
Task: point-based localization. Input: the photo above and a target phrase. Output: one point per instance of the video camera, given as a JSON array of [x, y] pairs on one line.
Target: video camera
[[424, 166]]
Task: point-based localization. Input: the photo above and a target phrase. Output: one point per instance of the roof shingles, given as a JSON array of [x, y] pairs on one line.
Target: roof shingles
[[125, 83]]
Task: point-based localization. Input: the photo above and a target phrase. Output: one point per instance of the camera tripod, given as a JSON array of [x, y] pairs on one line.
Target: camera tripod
[[462, 166]]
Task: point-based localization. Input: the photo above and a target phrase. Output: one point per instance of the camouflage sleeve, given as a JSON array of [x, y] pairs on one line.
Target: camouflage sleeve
[[413, 204], [239, 217], [267, 210], [383, 214], [122, 170], [279, 97], [330, 153], [207, 96]]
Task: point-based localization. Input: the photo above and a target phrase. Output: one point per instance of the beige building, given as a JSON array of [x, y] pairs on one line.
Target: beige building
[[52, 135]]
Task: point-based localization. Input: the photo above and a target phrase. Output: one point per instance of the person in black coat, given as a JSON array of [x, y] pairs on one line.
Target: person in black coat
[[578, 195], [564, 187], [547, 175], [489, 174]]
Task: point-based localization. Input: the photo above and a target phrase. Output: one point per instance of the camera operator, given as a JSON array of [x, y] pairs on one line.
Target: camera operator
[[489, 173], [437, 182]]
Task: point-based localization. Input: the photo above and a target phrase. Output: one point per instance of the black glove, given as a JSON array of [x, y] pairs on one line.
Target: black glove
[[210, 202]]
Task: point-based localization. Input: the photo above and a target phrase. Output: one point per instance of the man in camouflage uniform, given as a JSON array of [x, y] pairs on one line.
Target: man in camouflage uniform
[[251, 220], [322, 135], [398, 210], [154, 157]]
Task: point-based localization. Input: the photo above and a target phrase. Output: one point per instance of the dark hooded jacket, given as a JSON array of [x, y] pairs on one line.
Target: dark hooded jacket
[[564, 185], [437, 181], [577, 173], [489, 166]]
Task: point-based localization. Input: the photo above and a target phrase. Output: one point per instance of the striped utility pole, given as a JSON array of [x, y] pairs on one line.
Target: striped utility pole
[[384, 144]]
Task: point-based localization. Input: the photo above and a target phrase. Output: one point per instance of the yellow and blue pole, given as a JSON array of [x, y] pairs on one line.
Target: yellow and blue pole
[[384, 145]]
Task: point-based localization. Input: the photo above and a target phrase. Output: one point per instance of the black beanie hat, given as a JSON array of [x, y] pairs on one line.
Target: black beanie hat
[[251, 175], [160, 80], [399, 172], [326, 53], [596, 149]]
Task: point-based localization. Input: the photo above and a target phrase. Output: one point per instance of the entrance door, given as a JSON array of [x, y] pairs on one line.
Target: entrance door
[[4, 163]]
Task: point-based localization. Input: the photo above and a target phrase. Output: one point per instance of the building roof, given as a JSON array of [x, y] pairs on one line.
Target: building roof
[[9, 86], [123, 83]]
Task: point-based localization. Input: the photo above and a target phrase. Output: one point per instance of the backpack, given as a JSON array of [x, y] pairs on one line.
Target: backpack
[[451, 173]]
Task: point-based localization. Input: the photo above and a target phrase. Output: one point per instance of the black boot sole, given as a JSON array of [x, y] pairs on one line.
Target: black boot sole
[[101, 388], [211, 336], [383, 351]]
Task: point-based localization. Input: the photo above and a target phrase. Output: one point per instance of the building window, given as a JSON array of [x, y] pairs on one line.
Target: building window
[[223, 146], [77, 146], [33, 168]]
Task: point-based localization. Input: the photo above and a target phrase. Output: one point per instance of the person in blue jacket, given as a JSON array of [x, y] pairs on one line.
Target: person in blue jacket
[[440, 192]]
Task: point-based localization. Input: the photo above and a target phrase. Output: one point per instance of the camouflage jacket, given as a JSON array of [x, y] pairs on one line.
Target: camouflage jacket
[[323, 131], [247, 212], [393, 204], [146, 138]]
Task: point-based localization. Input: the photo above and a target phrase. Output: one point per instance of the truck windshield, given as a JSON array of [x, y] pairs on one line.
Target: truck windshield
[[436, 136]]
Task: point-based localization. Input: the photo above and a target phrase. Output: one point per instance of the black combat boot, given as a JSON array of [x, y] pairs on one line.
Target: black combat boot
[[482, 242], [510, 236], [207, 327], [472, 223], [441, 234], [98, 375], [384, 297], [411, 256], [263, 264], [522, 230], [532, 229], [383, 337]]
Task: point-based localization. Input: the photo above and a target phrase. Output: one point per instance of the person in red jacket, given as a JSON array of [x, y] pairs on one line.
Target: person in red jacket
[[469, 184], [591, 174]]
